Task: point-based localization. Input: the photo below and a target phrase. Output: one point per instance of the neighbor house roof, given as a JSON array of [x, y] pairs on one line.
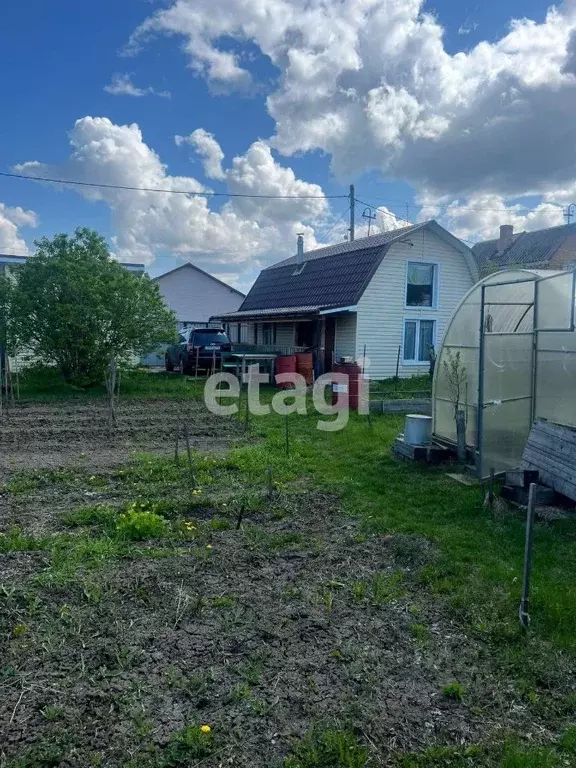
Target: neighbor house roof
[[330, 277], [527, 248], [189, 265]]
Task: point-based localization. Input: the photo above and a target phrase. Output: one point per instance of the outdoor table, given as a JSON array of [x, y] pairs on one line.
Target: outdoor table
[[244, 359]]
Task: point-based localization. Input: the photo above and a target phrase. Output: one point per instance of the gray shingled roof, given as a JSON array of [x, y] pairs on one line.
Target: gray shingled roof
[[528, 248]]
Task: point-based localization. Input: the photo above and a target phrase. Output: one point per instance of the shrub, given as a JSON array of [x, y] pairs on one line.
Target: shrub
[[137, 525]]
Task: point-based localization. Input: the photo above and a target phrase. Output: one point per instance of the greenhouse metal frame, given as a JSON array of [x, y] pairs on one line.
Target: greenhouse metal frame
[[512, 343]]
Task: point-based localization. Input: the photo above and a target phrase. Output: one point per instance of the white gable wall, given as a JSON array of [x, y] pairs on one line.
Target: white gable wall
[[195, 297], [382, 310]]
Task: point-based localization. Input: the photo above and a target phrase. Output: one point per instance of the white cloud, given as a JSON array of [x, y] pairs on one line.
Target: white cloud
[[370, 83], [122, 85], [479, 217], [240, 236], [208, 148], [11, 219]]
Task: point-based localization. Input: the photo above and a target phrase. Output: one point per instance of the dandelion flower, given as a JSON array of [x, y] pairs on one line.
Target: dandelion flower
[[208, 546], [205, 728]]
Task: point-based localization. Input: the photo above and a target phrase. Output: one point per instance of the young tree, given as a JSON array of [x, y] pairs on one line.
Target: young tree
[[74, 306]]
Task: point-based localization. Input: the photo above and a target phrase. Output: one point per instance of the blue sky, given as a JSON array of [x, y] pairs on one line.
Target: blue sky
[[57, 59]]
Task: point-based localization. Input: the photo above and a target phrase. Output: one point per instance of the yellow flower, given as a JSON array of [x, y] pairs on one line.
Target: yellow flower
[[208, 546], [205, 728]]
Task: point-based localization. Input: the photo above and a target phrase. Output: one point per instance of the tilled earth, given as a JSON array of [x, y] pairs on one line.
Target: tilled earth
[[62, 433], [260, 638], [263, 627]]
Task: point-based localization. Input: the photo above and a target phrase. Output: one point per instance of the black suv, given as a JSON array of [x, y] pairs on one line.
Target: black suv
[[197, 347]]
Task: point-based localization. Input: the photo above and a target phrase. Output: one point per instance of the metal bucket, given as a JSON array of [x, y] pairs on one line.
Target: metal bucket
[[418, 429]]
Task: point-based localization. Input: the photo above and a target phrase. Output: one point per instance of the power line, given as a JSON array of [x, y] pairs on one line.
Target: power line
[[168, 191], [338, 221], [386, 213]]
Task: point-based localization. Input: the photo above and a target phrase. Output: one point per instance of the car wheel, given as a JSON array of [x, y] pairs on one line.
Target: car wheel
[[168, 363]]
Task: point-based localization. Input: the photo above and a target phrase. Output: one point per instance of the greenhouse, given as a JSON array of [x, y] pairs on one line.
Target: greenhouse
[[508, 358]]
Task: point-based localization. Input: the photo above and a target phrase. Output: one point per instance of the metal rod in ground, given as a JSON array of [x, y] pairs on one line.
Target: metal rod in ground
[[176, 454], [196, 368], [240, 517], [397, 366], [287, 434], [523, 613]]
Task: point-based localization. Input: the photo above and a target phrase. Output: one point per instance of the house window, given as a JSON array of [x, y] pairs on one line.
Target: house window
[[420, 284], [418, 338], [268, 334]]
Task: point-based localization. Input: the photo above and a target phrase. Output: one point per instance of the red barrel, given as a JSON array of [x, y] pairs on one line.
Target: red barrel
[[285, 364], [305, 366], [347, 393]]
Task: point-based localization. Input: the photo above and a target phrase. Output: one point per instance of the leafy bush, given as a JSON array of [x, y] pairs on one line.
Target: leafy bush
[[137, 525]]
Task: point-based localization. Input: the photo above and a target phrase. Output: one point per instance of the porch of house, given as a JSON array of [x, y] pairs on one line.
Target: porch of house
[[330, 336]]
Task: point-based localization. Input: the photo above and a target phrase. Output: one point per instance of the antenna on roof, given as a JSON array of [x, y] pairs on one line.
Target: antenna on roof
[[570, 210], [367, 215]]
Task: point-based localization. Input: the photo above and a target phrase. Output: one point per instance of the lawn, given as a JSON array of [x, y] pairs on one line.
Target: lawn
[[323, 606]]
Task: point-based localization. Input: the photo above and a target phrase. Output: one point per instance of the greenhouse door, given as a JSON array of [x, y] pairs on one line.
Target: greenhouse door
[[505, 387]]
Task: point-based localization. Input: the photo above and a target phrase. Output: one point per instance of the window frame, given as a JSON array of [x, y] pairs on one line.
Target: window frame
[[435, 285], [418, 363], [264, 329]]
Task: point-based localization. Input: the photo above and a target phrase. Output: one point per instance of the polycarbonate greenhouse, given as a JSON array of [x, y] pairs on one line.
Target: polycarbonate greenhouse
[[508, 358]]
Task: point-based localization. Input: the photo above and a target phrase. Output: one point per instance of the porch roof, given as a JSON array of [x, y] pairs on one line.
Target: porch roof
[[274, 313]]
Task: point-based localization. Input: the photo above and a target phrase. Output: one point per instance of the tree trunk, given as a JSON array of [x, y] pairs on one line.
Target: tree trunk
[[461, 435]]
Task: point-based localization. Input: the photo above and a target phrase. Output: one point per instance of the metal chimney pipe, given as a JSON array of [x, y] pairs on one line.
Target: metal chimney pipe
[[300, 250]]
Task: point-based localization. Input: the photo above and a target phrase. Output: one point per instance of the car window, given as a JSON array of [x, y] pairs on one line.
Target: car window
[[201, 338], [181, 338]]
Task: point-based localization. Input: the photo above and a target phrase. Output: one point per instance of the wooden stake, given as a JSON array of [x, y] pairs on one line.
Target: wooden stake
[[270, 484], [240, 517], [247, 414], [189, 453], [176, 454], [196, 368], [286, 433]]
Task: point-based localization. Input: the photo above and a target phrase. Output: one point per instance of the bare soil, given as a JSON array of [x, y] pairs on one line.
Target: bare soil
[[296, 618], [65, 433]]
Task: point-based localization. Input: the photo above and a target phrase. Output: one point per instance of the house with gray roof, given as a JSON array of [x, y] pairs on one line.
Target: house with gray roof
[[392, 293], [551, 248]]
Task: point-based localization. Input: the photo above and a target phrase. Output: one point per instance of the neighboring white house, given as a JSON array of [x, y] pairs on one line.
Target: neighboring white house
[[392, 293], [195, 296]]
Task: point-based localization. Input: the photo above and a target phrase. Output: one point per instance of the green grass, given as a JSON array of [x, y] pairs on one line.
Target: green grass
[[476, 567]]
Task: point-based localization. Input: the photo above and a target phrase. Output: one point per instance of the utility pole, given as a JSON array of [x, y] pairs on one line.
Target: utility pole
[[570, 210], [352, 202]]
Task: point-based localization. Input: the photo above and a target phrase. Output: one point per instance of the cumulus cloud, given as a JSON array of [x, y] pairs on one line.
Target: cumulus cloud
[[241, 235], [11, 220], [479, 217], [208, 148], [122, 85], [371, 83]]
